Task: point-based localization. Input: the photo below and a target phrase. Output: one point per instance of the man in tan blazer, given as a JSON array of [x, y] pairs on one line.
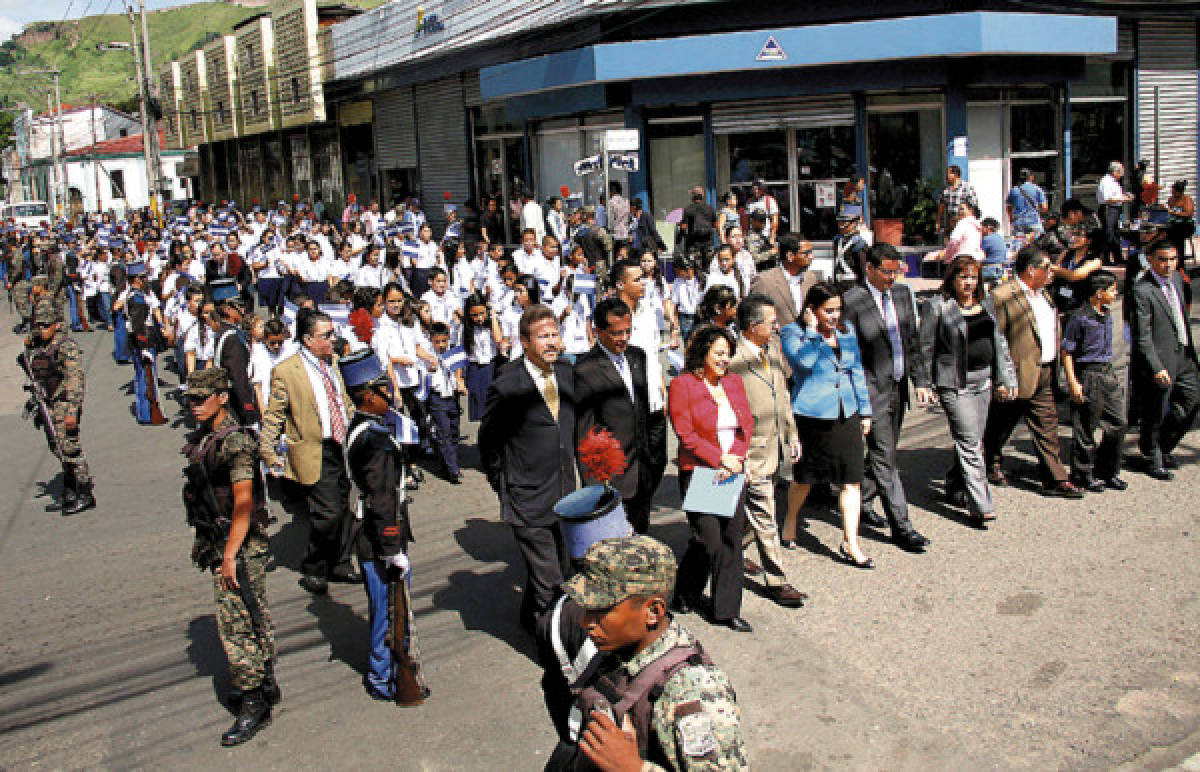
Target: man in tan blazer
[[310, 408], [774, 442], [786, 284], [1026, 316]]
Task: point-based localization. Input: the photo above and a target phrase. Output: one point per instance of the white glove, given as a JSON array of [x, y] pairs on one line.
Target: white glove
[[400, 561]]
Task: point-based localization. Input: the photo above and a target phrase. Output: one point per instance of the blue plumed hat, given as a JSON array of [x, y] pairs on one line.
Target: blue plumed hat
[[360, 368]]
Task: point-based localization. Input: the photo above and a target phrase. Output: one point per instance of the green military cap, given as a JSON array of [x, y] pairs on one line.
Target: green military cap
[[39, 281], [616, 569], [204, 383], [46, 311]]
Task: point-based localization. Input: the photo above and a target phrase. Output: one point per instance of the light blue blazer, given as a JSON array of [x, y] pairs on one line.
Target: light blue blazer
[[824, 381]]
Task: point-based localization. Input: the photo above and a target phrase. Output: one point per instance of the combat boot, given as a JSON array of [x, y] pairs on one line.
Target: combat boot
[[255, 713], [83, 500], [70, 491], [270, 686]]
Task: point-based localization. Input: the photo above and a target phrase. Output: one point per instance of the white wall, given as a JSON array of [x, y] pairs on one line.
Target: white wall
[[78, 129], [82, 173]]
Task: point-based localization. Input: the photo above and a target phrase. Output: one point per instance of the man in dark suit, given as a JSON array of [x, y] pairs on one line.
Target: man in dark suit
[[1164, 360], [642, 232], [884, 316], [611, 393], [527, 448]]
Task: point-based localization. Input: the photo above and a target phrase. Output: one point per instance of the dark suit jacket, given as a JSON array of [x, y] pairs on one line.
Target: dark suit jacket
[[944, 342], [1156, 344], [602, 400], [647, 234], [528, 457], [859, 308]]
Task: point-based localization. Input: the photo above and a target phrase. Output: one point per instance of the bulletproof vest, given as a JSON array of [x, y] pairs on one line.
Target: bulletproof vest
[[208, 492], [618, 695], [45, 369]]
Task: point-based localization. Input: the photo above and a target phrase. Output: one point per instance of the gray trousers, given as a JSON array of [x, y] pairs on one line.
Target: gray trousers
[[882, 477], [967, 411], [762, 529]]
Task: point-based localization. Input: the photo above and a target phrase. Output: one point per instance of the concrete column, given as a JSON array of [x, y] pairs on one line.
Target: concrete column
[[956, 125]]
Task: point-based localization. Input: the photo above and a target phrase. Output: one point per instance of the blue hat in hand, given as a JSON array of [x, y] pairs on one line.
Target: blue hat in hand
[[360, 368], [224, 291]]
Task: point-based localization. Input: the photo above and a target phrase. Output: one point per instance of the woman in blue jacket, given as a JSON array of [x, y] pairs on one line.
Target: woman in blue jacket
[[833, 413]]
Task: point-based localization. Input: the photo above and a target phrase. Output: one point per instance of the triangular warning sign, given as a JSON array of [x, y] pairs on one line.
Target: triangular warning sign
[[771, 51]]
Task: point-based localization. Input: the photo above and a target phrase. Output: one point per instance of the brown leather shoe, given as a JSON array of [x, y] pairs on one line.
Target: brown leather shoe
[[788, 596]]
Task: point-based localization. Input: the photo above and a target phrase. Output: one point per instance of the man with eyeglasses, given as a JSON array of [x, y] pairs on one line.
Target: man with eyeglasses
[[884, 315], [787, 283], [56, 363], [1025, 314], [303, 438]]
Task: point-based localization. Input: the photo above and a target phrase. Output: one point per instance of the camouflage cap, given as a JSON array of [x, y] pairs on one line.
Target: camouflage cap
[[616, 569], [46, 311], [205, 383]]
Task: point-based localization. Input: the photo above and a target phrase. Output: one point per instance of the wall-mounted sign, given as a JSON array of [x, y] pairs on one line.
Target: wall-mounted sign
[[621, 140], [428, 24], [624, 162], [589, 165], [771, 51], [826, 194]]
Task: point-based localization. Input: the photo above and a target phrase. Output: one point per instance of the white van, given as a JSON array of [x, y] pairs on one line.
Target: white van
[[31, 214]]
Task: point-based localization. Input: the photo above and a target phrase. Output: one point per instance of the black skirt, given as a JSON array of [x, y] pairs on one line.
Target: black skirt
[[831, 450]]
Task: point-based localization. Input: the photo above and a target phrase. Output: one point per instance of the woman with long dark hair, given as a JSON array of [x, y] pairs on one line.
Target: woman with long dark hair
[[481, 341]]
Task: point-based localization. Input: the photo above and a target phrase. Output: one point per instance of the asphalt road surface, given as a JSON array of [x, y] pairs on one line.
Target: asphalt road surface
[[1064, 636]]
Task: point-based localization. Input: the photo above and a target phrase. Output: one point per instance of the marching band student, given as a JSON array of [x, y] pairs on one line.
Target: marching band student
[[313, 273], [725, 273], [269, 349], [546, 266], [99, 273], [524, 258], [526, 293], [264, 260], [444, 306], [685, 295], [199, 342], [462, 273], [481, 341], [574, 320], [656, 293], [486, 267], [445, 386], [372, 273], [428, 256]]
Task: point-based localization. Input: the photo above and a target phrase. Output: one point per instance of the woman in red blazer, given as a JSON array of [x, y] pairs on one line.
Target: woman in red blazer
[[713, 421]]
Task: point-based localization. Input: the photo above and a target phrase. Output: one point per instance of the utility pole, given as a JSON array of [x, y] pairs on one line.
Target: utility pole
[[149, 125], [95, 162], [152, 104], [56, 187], [62, 150]]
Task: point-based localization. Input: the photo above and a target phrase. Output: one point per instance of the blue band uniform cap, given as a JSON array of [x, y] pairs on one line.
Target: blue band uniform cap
[[360, 368], [135, 269]]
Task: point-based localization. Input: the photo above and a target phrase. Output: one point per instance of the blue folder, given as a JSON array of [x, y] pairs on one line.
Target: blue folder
[[705, 494]]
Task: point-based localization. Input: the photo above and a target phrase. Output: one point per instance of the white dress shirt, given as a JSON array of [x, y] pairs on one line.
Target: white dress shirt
[[315, 379], [622, 365], [1045, 321], [1109, 191]]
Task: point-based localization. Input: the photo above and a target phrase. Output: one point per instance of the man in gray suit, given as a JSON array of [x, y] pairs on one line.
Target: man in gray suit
[[884, 316], [1164, 360]]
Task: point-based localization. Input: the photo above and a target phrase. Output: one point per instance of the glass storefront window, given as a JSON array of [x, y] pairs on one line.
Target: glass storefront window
[[556, 157], [1097, 137], [676, 166], [1032, 128], [593, 184], [758, 155], [907, 169], [824, 158]]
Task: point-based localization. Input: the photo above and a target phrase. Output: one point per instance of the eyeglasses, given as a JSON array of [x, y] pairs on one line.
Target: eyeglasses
[[327, 335], [888, 271], [806, 251], [196, 399]]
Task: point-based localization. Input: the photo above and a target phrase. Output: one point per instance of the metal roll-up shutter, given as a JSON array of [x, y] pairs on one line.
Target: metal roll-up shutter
[[471, 93], [442, 137], [768, 114], [1167, 97], [395, 130]]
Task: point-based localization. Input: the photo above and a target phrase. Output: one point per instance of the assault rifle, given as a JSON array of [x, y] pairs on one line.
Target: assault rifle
[[37, 408]]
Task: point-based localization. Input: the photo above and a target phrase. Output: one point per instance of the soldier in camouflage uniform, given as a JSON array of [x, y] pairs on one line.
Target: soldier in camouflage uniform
[[57, 364], [231, 542], [56, 279], [653, 698], [19, 286]]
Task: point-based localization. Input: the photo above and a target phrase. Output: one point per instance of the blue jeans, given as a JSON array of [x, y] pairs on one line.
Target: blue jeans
[[73, 299], [120, 349], [446, 413], [142, 388], [104, 306], [379, 656]]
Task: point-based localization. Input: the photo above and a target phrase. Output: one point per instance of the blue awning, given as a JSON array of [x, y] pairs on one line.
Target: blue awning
[[980, 33]]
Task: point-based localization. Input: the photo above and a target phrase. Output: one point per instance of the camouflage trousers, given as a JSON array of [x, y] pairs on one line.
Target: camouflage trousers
[[21, 300], [72, 457], [246, 648]]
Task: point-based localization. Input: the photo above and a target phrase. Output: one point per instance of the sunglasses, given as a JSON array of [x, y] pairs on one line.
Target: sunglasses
[[195, 399]]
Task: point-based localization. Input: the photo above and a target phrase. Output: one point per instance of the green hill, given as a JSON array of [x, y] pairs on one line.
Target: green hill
[[71, 46]]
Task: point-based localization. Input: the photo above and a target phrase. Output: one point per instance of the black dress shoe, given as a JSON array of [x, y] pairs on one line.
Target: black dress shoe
[[737, 624], [348, 576], [873, 518], [84, 500], [910, 541], [317, 585], [845, 556], [683, 604], [1090, 484], [1116, 483], [1170, 462], [997, 477], [1160, 473], [255, 713], [1063, 490], [789, 544]]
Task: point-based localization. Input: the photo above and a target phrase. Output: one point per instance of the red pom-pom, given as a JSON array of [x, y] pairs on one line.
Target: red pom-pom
[[363, 325], [566, 192], [600, 453], [446, 195]]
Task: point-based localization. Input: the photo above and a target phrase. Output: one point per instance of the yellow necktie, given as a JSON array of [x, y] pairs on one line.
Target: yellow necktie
[[551, 393], [766, 361]]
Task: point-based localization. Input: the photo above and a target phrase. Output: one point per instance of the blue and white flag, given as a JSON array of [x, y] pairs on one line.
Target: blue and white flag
[[454, 359], [422, 392], [410, 251], [585, 284], [404, 429], [290, 310], [339, 315]]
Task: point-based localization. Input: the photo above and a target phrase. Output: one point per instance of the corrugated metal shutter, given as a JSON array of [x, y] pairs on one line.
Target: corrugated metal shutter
[[1167, 66], [442, 136], [1124, 39], [767, 114], [395, 130]]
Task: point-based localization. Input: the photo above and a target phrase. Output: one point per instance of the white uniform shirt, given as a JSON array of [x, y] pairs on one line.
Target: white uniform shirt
[[685, 294], [1109, 191]]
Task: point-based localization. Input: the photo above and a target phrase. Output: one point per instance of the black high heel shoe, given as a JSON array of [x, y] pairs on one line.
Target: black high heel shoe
[[789, 544], [846, 557]]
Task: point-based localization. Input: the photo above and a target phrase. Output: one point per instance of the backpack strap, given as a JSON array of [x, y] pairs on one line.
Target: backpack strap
[[647, 686], [572, 669]]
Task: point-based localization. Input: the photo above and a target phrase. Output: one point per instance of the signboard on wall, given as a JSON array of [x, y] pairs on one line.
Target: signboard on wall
[[826, 194], [621, 140]]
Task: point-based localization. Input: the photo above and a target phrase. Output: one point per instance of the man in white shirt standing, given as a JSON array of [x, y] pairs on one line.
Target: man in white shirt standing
[[1109, 199], [531, 216]]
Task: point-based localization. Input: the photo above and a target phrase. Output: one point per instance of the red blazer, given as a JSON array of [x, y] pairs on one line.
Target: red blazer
[[694, 416]]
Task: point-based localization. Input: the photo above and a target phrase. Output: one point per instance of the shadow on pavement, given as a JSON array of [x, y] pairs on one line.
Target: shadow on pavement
[[206, 655], [16, 676], [344, 629]]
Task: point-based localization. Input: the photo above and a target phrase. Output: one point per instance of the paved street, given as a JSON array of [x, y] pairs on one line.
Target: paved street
[[1065, 636]]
